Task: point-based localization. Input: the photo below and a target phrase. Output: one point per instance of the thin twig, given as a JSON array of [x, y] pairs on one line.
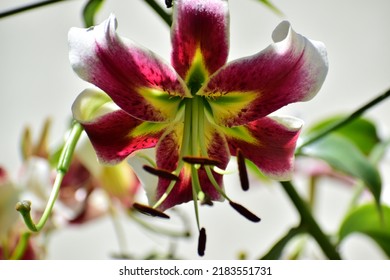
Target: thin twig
[[28, 7]]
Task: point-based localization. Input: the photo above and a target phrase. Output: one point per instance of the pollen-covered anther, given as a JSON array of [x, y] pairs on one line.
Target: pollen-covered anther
[[202, 242], [242, 171], [149, 211], [201, 160], [245, 212], [161, 173]]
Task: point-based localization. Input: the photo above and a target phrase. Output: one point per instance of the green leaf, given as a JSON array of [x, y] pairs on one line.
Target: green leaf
[[366, 220], [272, 7], [341, 154], [90, 10], [362, 132], [277, 249]]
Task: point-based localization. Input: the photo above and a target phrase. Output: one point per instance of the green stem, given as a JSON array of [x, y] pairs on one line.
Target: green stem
[[63, 165], [309, 222], [346, 120], [167, 18], [28, 7], [18, 253], [119, 231]]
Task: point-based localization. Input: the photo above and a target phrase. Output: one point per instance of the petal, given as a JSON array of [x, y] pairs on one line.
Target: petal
[[271, 145], [121, 182], [114, 133], [135, 78], [292, 69], [168, 151], [200, 26]]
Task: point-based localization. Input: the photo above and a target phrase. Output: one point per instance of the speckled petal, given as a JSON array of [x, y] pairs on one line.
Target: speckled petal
[[270, 145], [200, 26], [135, 78], [114, 133], [292, 69]]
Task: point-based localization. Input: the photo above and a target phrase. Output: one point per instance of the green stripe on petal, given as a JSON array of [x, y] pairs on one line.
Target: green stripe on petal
[[197, 74], [114, 133], [161, 101], [240, 133], [230, 105], [200, 24], [146, 128]]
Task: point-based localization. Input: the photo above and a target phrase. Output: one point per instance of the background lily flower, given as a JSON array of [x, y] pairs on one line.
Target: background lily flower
[[199, 110], [86, 177], [9, 196], [10, 224]]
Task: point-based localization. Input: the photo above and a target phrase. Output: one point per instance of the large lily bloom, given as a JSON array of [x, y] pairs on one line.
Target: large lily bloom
[[199, 110]]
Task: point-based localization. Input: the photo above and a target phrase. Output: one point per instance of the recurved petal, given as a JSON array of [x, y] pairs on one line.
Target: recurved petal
[[135, 78], [291, 69], [168, 158], [269, 143], [200, 26], [114, 134]]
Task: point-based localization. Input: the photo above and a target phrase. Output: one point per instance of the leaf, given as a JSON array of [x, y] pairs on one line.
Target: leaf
[[341, 154], [366, 220], [90, 10], [277, 249], [272, 7], [362, 132]]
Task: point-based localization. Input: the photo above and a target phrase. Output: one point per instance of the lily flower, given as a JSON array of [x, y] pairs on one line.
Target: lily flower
[[200, 109]]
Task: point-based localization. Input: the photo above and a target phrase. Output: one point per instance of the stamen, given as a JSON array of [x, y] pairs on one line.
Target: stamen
[[144, 209], [201, 160], [161, 173], [202, 242], [245, 212], [242, 171], [204, 199]]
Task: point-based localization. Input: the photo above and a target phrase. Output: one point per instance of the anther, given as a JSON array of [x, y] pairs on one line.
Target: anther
[[242, 171], [168, 3], [202, 242], [161, 173], [201, 160], [245, 212], [204, 199], [144, 209]]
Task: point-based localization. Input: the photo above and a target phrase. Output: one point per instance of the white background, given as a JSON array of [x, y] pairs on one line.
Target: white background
[[36, 81]]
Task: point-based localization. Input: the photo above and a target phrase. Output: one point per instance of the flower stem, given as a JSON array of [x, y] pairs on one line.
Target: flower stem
[[167, 18], [63, 165], [18, 253], [346, 120], [119, 231], [309, 222], [28, 7]]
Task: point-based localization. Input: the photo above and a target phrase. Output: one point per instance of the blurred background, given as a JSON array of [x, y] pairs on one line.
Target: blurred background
[[36, 82]]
